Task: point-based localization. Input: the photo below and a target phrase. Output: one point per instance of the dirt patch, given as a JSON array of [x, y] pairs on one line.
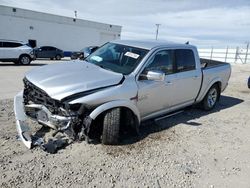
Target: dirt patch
[[192, 149]]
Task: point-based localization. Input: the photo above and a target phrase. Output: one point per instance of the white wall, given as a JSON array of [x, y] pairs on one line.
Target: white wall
[[58, 31]]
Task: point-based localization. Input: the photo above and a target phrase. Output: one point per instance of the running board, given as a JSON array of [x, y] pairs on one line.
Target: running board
[[168, 115]]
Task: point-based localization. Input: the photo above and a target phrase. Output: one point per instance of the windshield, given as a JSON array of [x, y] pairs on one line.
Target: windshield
[[116, 57]]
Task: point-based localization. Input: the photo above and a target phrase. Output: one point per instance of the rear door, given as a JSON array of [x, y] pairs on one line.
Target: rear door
[[10, 50], [187, 78], [51, 53]]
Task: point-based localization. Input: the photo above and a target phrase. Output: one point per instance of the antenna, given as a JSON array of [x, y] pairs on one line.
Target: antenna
[[187, 42]]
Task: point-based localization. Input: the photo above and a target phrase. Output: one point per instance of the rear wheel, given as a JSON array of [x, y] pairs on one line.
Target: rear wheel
[[111, 127], [211, 98], [58, 57], [24, 60]]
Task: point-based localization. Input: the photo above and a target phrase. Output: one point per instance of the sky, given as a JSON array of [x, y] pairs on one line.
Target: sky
[[205, 23]]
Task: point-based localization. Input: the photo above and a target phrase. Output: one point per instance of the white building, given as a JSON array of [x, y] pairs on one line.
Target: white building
[[69, 34]]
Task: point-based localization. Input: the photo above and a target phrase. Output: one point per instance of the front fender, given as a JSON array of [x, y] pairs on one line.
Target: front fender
[[112, 104]]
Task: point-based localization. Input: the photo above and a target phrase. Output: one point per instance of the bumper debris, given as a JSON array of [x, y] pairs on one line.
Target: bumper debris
[[43, 116]]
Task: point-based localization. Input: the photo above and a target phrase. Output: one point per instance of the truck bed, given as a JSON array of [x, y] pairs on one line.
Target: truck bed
[[213, 71], [208, 63]]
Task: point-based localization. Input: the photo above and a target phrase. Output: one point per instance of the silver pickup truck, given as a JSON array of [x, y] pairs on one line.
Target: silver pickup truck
[[117, 87]]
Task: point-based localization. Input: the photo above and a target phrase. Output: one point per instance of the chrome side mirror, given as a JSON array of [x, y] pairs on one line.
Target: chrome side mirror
[[155, 75]]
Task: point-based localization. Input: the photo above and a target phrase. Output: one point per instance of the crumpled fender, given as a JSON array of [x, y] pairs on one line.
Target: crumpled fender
[[112, 104]]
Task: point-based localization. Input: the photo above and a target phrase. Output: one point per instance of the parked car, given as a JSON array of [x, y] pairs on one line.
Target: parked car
[[49, 52], [248, 83], [118, 86], [84, 52], [16, 51]]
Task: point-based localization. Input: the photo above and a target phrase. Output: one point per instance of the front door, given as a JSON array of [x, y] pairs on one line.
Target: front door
[[154, 96], [42, 52]]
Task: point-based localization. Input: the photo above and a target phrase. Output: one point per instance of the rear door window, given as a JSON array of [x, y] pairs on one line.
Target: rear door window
[[185, 60]]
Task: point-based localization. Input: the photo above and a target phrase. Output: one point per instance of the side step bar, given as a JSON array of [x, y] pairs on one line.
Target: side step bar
[[168, 115]]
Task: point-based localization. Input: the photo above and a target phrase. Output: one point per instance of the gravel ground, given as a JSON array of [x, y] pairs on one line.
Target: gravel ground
[[192, 149]]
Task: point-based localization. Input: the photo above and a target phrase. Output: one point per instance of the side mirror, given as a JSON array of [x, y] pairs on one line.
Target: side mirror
[[155, 75]]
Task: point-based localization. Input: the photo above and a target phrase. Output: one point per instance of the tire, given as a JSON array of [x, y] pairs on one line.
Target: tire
[[24, 60], [58, 57], [111, 127], [211, 98], [248, 83]]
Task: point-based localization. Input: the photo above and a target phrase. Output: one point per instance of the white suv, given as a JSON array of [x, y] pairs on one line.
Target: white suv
[[18, 52]]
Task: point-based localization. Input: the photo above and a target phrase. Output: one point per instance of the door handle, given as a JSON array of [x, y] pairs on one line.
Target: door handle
[[195, 77]]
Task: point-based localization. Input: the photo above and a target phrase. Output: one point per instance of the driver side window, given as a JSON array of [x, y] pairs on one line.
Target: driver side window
[[162, 61]]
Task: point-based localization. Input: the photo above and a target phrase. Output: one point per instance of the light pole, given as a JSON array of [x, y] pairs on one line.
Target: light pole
[[157, 31], [75, 14]]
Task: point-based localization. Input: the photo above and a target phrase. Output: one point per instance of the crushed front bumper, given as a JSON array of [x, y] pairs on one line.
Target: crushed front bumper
[[40, 114], [21, 124]]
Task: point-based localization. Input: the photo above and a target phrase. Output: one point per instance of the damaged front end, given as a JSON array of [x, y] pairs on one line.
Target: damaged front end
[[32, 102]]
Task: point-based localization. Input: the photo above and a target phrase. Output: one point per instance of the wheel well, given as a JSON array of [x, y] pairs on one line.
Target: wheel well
[[24, 55], [218, 85], [129, 123]]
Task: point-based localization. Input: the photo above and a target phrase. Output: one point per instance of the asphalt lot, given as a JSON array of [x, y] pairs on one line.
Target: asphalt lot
[[11, 76]]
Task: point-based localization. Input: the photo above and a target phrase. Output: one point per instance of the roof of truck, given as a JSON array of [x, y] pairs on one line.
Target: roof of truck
[[150, 44]]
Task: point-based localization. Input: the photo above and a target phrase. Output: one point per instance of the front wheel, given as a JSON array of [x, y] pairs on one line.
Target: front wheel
[[111, 127], [24, 60], [211, 98], [58, 57]]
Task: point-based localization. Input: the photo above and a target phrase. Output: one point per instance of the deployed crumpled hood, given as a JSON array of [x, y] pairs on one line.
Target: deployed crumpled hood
[[61, 80]]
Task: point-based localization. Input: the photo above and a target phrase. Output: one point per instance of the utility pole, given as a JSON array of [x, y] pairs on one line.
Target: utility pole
[[157, 31], [75, 14]]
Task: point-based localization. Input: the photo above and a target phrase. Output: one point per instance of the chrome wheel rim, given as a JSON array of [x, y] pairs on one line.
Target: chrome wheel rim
[[212, 97], [25, 60]]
